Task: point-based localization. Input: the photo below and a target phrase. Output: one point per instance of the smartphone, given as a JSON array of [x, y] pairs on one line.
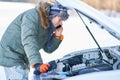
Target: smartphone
[[58, 26]]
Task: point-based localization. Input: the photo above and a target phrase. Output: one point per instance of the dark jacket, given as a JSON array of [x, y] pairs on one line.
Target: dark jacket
[[25, 36]]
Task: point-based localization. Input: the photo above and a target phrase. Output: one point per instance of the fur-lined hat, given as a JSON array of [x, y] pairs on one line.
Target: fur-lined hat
[[48, 10], [58, 10]]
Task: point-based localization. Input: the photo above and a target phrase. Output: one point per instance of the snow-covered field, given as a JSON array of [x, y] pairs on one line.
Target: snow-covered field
[[76, 37]]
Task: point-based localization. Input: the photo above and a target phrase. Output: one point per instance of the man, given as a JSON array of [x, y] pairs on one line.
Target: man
[[35, 29]]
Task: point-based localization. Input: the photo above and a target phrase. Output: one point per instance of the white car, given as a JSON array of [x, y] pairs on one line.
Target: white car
[[98, 39], [91, 46]]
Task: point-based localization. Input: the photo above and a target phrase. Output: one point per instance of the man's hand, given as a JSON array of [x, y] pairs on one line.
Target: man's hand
[[41, 68], [44, 68], [58, 31]]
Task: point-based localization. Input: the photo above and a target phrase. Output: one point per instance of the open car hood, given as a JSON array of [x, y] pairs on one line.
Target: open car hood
[[96, 16], [88, 64]]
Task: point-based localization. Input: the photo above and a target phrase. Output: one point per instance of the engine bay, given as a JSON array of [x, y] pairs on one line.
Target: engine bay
[[84, 61]]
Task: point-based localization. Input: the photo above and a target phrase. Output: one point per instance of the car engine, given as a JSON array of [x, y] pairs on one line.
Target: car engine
[[84, 61]]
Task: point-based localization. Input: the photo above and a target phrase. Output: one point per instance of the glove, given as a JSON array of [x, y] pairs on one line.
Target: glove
[[41, 68]]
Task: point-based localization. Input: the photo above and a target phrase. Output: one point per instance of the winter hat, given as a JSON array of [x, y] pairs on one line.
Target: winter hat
[[58, 10]]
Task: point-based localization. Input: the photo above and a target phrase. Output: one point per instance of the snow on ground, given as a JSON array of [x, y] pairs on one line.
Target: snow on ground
[[2, 73]]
